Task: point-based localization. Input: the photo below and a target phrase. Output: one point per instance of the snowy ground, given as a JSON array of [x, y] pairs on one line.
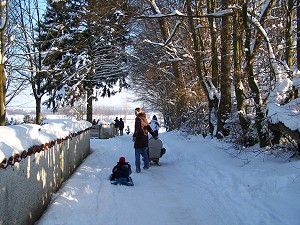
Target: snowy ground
[[198, 183]]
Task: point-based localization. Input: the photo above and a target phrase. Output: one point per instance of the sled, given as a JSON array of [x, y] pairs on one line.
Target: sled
[[156, 151], [122, 181], [154, 161]]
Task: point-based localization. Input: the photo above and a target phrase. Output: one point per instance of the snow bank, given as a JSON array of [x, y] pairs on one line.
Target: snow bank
[[18, 141]]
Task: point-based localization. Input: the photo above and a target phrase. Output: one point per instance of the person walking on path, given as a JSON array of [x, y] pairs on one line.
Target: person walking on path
[[140, 138], [121, 126]]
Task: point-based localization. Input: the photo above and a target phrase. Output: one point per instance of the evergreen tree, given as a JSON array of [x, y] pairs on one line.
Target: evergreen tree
[[86, 51], [62, 34], [106, 42]]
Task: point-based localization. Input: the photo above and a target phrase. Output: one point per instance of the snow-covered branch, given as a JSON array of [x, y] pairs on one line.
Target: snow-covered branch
[[172, 34], [278, 110], [279, 70]]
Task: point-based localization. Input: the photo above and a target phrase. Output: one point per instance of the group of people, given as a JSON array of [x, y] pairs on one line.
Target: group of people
[[119, 127], [142, 142], [95, 122]]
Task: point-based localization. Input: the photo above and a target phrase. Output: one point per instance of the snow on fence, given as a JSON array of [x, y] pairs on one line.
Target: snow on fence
[[35, 161]]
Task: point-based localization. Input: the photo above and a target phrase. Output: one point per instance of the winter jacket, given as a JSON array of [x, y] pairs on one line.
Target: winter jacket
[[154, 125], [121, 124], [141, 130], [121, 170], [155, 147], [117, 123]]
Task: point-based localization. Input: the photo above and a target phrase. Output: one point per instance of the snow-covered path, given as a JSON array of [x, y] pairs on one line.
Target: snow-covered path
[[198, 183]]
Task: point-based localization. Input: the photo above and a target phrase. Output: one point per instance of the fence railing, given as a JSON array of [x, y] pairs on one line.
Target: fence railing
[[27, 186]]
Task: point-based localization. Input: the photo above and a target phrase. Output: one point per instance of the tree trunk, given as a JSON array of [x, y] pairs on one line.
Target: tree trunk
[[211, 5], [213, 104], [2, 92], [198, 60], [251, 80], [196, 47], [225, 81], [296, 94], [3, 24], [298, 34], [89, 105], [38, 110], [179, 79], [181, 99], [288, 34], [237, 57]]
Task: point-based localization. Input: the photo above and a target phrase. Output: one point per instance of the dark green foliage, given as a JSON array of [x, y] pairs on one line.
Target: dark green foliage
[[85, 51]]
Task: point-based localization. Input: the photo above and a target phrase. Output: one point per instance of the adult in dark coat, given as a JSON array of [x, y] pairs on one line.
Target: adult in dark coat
[[140, 138], [117, 125], [121, 126]]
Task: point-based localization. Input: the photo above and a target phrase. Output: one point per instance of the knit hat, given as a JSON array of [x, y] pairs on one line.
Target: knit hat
[[154, 117], [122, 160]]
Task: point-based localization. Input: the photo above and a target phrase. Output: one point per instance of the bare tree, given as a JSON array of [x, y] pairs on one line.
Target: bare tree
[[3, 24], [27, 64], [167, 35]]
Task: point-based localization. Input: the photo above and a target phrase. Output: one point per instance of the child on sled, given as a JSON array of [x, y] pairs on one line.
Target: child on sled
[[121, 173]]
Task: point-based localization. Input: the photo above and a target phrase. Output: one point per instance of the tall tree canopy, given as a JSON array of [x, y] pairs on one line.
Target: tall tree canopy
[[87, 50]]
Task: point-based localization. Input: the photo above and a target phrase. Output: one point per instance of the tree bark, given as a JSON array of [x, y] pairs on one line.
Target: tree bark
[[298, 34], [2, 91], [251, 80], [225, 81], [288, 34], [196, 47], [213, 104], [211, 5], [237, 57], [3, 18], [38, 110], [89, 105]]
